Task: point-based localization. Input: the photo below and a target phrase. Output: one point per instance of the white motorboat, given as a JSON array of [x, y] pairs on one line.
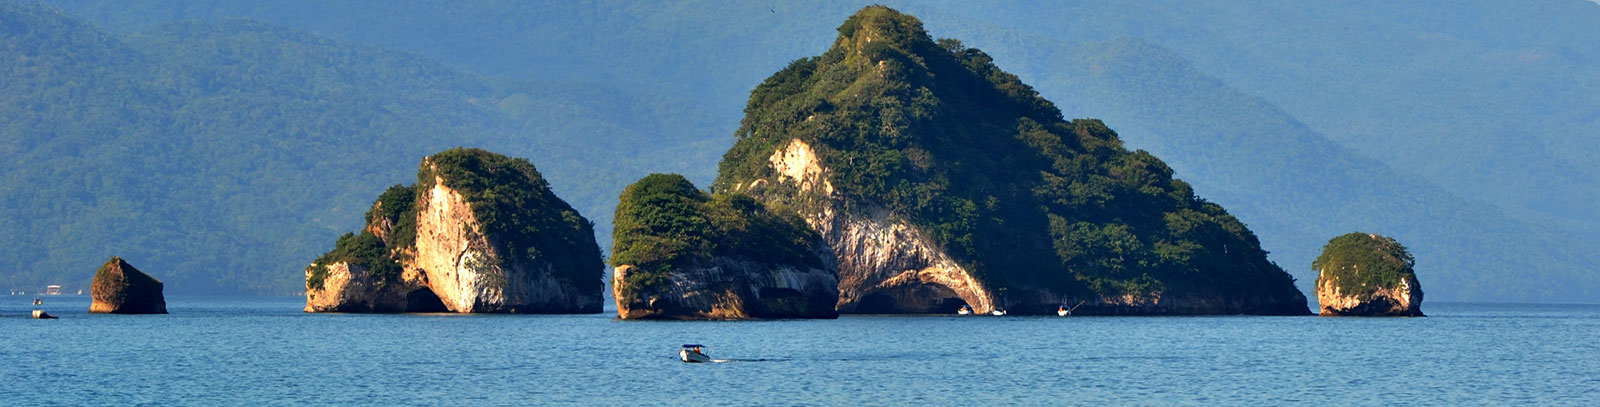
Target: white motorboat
[[998, 312], [691, 354], [965, 310], [40, 314]]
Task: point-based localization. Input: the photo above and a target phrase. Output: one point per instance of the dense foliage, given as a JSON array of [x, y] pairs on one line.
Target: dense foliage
[[664, 223], [519, 212], [1360, 263], [938, 134]]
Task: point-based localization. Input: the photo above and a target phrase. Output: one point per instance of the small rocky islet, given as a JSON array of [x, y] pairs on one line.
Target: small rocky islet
[[891, 174], [120, 288], [1364, 274]]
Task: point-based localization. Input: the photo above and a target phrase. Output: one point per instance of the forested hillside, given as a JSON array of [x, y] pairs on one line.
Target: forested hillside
[[1456, 127], [221, 155]]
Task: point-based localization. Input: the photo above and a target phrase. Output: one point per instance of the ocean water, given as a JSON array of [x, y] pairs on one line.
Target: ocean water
[[264, 351]]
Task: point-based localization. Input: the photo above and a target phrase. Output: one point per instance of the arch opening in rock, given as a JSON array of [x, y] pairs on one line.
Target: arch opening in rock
[[424, 300], [920, 298]]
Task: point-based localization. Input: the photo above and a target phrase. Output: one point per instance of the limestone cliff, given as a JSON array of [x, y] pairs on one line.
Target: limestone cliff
[[938, 180], [119, 288], [1362, 274], [479, 232], [683, 254]]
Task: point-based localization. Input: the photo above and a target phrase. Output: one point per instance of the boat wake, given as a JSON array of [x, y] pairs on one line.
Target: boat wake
[[746, 360]]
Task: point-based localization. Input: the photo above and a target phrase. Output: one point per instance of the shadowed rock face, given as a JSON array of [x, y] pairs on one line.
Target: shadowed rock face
[[119, 288], [731, 289]]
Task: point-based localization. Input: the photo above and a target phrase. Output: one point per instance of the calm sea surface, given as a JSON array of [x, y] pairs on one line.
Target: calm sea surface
[[264, 351]]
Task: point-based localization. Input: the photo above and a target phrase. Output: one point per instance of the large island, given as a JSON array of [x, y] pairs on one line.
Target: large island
[[939, 180]]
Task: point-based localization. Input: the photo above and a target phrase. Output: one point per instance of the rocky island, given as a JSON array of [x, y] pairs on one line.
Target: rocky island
[[478, 232], [119, 288], [939, 180], [1363, 274], [681, 253]]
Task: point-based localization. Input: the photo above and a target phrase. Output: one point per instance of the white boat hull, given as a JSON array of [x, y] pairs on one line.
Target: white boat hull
[[689, 356]]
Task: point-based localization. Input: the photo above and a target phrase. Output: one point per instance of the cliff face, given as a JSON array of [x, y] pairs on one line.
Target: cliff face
[[459, 262], [119, 288], [938, 180], [1402, 300], [1362, 274], [683, 254], [441, 246], [886, 265]]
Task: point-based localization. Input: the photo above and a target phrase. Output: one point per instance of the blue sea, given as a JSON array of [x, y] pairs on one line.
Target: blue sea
[[265, 351]]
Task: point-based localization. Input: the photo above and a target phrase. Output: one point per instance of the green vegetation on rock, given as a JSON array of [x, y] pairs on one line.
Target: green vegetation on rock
[[1361, 263], [937, 134], [664, 223]]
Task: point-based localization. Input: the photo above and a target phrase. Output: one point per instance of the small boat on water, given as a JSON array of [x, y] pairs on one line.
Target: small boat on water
[[998, 312], [965, 310], [691, 354], [40, 314], [38, 301]]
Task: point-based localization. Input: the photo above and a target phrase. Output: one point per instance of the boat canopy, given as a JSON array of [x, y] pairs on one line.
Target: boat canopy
[[694, 345]]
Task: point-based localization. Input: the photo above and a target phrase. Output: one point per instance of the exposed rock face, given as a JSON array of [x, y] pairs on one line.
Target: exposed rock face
[[119, 288], [883, 261], [730, 289], [436, 248], [455, 257], [1361, 274]]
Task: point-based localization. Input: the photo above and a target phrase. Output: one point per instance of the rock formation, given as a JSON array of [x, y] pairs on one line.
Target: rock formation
[[683, 254], [939, 180], [479, 232], [1362, 274], [119, 288]]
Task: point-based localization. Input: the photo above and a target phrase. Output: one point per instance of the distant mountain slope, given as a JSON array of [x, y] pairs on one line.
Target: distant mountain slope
[[222, 155]]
